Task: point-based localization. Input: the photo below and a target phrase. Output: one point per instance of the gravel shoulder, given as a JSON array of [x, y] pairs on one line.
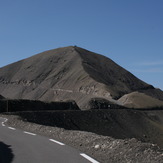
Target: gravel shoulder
[[103, 148]]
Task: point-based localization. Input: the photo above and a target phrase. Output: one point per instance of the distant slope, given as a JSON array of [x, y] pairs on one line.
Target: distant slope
[[69, 73], [140, 100]]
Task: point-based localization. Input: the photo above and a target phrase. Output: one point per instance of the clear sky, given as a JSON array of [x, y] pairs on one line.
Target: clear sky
[[130, 32]]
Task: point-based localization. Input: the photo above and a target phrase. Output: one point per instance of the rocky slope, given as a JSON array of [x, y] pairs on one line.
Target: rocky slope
[[70, 73]]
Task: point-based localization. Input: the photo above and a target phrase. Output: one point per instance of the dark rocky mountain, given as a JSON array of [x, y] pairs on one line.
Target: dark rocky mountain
[[72, 73]]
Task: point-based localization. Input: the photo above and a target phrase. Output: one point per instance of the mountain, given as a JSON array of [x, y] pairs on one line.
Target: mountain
[[71, 73]]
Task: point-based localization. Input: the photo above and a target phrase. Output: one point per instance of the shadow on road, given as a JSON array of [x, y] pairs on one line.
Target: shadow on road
[[6, 155]]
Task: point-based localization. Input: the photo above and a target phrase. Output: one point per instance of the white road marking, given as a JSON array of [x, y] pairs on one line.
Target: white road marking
[[11, 128], [88, 158], [29, 133], [56, 142], [4, 121]]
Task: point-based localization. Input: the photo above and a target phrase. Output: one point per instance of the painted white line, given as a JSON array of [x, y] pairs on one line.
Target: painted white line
[[56, 142], [4, 121], [88, 158], [11, 128], [29, 133]]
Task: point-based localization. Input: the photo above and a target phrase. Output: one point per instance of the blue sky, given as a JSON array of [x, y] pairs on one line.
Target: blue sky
[[130, 32]]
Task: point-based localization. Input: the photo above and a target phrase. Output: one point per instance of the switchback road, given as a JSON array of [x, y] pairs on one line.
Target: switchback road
[[19, 146]]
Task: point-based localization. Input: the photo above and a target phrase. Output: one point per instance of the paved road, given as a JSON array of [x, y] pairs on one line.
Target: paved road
[[18, 146]]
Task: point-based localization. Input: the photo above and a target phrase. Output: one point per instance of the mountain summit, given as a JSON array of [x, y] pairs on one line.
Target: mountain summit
[[73, 73]]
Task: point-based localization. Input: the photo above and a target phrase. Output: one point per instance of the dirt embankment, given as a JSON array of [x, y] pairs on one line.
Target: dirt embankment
[[146, 126], [70, 127]]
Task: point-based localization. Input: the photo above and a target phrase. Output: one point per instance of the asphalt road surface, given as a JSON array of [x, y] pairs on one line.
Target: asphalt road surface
[[19, 146]]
